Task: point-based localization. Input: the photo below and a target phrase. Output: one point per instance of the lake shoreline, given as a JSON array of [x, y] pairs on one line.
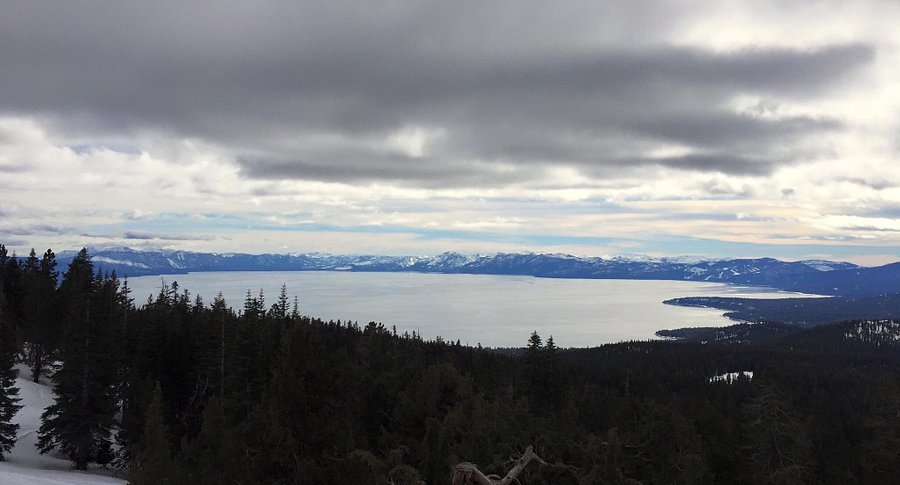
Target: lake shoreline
[[491, 310]]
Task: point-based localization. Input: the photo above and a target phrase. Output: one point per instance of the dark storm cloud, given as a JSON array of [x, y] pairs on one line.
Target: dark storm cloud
[[6, 240], [148, 236], [722, 129], [720, 163], [38, 229], [511, 92], [371, 167], [151, 236]]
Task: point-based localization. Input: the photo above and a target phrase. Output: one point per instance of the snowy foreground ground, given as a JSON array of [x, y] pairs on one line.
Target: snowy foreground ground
[[25, 466]]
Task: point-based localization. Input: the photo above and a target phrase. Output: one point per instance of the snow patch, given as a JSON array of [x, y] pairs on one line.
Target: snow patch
[[123, 262], [730, 377], [874, 331], [822, 265], [24, 465]]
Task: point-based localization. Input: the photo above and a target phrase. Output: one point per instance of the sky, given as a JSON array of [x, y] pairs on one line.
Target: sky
[[660, 128]]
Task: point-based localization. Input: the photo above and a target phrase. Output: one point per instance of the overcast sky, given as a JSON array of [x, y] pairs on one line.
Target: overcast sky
[[598, 128]]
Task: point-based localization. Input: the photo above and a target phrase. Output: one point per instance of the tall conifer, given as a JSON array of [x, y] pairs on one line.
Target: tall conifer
[[154, 464], [41, 332], [8, 391], [81, 421]]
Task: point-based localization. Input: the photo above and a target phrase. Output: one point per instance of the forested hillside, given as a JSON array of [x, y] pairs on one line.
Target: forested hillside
[[179, 390], [801, 312]]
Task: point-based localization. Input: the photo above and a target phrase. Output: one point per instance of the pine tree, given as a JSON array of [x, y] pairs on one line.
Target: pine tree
[[551, 385], [215, 455], [11, 284], [435, 470], [273, 433], [776, 447], [154, 464], [535, 370], [81, 421], [551, 346], [247, 367], [281, 307], [8, 392], [535, 344], [4, 257], [220, 311], [41, 332], [295, 308]]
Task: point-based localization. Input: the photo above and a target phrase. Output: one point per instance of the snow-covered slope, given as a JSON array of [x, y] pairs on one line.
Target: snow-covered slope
[[24, 465], [821, 265]]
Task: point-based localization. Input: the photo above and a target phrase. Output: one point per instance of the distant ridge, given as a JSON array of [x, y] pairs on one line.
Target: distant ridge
[[819, 277], [843, 335]]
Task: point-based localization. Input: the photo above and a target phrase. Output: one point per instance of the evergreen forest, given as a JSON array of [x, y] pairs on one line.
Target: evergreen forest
[[177, 390]]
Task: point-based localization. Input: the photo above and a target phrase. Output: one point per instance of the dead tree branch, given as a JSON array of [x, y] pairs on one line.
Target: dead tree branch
[[468, 474]]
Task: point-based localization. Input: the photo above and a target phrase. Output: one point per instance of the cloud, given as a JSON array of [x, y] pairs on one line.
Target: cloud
[[12, 168], [37, 229], [321, 92], [12, 242], [148, 236], [873, 183], [628, 120]]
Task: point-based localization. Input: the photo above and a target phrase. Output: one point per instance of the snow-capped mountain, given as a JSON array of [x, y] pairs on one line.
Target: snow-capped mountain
[[821, 277]]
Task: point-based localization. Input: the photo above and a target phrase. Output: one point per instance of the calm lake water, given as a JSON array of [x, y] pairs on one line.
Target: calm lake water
[[497, 311]]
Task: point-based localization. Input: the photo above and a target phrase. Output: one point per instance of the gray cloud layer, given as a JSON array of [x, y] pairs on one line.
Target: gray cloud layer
[[312, 91]]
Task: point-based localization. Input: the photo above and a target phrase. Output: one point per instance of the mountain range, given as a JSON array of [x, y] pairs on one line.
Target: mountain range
[[814, 276]]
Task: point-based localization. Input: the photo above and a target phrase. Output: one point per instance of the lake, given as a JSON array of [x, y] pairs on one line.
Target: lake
[[496, 311]]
